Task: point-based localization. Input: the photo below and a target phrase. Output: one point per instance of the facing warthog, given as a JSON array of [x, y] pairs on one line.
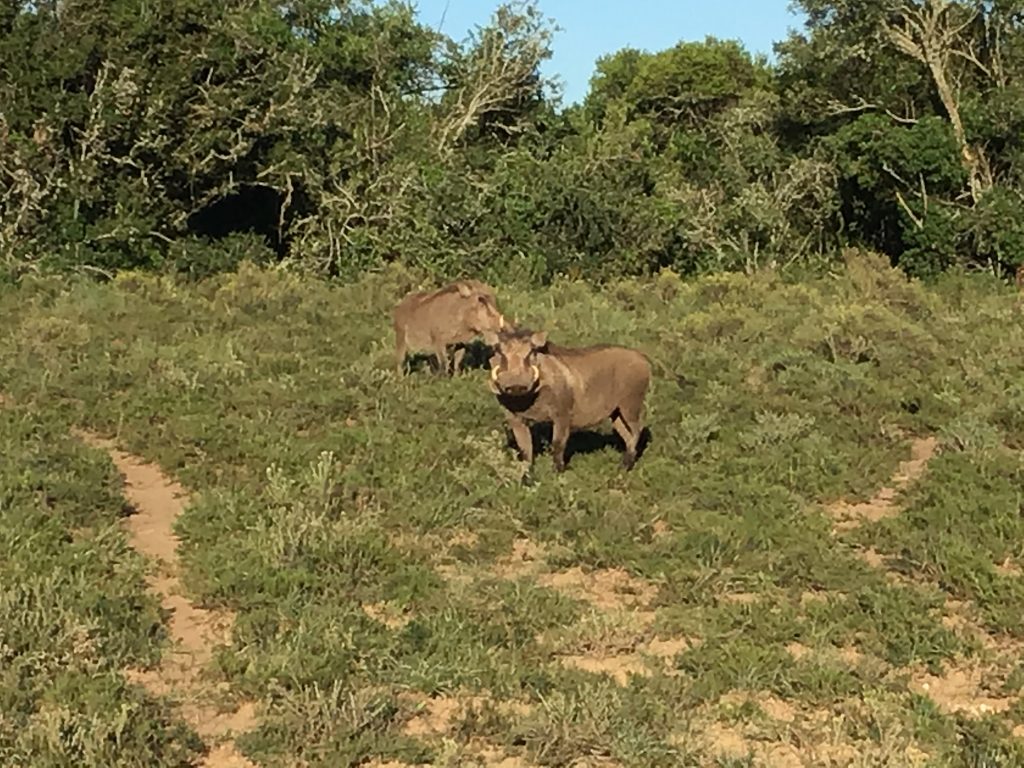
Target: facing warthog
[[431, 321], [536, 381]]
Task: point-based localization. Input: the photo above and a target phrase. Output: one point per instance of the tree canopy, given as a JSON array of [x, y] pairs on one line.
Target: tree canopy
[[340, 135]]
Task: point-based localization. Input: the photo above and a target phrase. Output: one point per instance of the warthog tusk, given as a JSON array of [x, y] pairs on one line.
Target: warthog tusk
[[536, 373], [501, 322], [494, 375]]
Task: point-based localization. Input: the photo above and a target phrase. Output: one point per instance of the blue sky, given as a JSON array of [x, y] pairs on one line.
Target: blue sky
[[591, 28]]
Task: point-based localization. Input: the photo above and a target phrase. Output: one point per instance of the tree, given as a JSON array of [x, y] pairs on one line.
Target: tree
[[682, 86], [912, 62], [492, 82], [934, 34]]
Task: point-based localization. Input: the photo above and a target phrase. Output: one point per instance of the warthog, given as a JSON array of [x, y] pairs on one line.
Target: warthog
[[536, 381], [434, 320]]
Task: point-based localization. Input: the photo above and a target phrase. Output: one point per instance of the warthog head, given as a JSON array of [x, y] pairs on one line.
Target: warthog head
[[481, 314], [514, 367]]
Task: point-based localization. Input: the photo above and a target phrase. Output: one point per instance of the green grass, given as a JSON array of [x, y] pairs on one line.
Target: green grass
[[73, 611], [324, 484]]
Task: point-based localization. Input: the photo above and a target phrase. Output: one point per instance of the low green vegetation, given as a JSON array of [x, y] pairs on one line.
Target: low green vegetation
[[400, 595], [74, 612]]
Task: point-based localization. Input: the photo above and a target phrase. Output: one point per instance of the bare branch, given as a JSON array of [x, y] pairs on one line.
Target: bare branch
[[906, 209], [837, 108]]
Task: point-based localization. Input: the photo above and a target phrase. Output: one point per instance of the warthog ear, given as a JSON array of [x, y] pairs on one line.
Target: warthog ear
[[464, 290], [539, 339]]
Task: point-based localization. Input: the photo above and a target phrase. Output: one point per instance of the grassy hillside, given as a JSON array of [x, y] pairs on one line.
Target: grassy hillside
[[400, 596]]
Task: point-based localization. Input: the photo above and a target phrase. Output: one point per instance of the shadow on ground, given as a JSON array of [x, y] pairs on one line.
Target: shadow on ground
[[582, 442], [477, 355]]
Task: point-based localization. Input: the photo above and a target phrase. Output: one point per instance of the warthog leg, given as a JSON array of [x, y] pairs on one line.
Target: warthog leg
[[521, 432], [460, 353], [441, 352], [559, 439], [629, 427]]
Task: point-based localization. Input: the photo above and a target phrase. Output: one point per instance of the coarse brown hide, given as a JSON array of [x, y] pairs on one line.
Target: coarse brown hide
[[432, 321], [572, 388]]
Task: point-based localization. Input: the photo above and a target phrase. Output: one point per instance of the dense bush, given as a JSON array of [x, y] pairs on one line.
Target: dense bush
[[340, 137]]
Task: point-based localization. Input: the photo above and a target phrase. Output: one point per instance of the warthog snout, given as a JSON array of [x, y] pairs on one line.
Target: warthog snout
[[484, 316], [510, 386]]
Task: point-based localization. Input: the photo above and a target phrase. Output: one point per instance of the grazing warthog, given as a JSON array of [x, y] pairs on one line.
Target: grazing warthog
[[434, 320], [536, 381]]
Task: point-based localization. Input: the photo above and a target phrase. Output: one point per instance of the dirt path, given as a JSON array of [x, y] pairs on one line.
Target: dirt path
[[966, 685], [883, 503], [195, 632]]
